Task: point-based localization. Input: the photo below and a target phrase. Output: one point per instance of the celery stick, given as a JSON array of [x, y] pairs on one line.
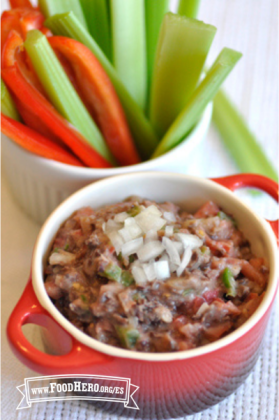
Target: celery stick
[[189, 8], [144, 136], [61, 92], [240, 142], [8, 107], [204, 93], [182, 50], [52, 7], [129, 46], [154, 13], [96, 14]]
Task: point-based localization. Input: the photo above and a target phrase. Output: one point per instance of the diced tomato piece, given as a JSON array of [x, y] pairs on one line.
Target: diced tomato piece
[[252, 274], [208, 209], [217, 331], [211, 295], [257, 263], [179, 321]]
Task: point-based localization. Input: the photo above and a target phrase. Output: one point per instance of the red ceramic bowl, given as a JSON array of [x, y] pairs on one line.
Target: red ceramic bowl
[[171, 384]]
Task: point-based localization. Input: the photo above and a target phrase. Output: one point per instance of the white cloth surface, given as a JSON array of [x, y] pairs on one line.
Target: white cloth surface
[[250, 26]]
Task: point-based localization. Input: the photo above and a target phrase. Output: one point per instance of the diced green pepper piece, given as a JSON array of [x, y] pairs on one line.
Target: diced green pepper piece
[[134, 211], [187, 292], [128, 336], [181, 53], [61, 91], [189, 8], [112, 272], [83, 298], [204, 249], [229, 282], [127, 279], [129, 46], [8, 107], [52, 7], [96, 13], [115, 273], [239, 140], [145, 138], [195, 106]]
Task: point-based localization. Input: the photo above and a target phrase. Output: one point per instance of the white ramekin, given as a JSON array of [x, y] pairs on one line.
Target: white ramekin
[[39, 185]]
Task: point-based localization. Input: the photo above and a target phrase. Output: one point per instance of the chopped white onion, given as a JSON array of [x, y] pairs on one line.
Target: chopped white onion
[[164, 257], [148, 221], [164, 314], [149, 270], [153, 210], [121, 217], [131, 247], [185, 261], [151, 236], [169, 230], [171, 250], [178, 246], [112, 225], [61, 258], [139, 275], [203, 308], [116, 240], [162, 270], [173, 267], [169, 216], [131, 230], [150, 250], [191, 241]]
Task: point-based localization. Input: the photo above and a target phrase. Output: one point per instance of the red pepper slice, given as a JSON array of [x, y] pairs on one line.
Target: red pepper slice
[[13, 51], [13, 42], [22, 20], [8, 22], [100, 97], [32, 121], [33, 100], [31, 19], [20, 3], [35, 142]]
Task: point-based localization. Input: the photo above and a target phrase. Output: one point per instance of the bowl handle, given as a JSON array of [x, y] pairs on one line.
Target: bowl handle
[[233, 182], [29, 310]]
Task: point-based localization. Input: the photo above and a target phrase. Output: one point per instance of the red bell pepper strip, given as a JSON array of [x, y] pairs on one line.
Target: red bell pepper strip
[[12, 43], [33, 100], [8, 22], [47, 32], [100, 97], [22, 20], [32, 121], [33, 19], [20, 3], [13, 51], [35, 142]]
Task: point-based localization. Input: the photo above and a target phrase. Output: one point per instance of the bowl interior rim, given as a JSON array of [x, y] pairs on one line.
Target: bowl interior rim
[[40, 291]]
